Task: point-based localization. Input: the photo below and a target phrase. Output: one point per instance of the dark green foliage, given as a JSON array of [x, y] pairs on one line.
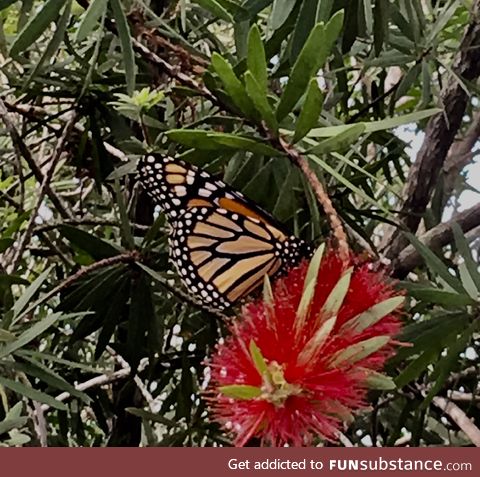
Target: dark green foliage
[[91, 297]]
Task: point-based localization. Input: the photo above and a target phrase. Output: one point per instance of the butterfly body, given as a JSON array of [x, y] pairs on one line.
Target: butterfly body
[[221, 243]]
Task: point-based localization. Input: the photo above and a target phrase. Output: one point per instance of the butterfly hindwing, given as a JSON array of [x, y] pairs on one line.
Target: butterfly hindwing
[[222, 256]]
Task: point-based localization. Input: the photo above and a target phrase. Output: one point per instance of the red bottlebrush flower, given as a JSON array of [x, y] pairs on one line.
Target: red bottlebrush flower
[[301, 359]]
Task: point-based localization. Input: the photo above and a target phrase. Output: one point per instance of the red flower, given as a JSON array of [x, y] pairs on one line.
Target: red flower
[[303, 357]]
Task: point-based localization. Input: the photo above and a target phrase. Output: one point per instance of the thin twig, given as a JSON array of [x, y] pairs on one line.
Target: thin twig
[[459, 417], [24, 240], [323, 198], [91, 383], [140, 385], [22, 151]]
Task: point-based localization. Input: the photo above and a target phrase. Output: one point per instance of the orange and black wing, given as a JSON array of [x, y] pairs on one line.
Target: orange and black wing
[[222, 244]]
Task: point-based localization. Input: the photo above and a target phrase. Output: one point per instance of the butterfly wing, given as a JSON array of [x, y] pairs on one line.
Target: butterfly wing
[[177, 186], [222, 256], [221, 243]]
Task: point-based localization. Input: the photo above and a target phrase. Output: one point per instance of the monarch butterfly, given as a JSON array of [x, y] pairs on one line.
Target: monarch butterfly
[[221, 243]]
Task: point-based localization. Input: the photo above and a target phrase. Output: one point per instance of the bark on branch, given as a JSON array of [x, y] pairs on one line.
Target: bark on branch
[[439, 136], [435, 239]]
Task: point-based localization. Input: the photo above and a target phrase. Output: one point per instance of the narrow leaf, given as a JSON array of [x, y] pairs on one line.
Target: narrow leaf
[[464, 250], [267, 291], [30, 334], [240, 391], [314, 345], [216, 9], [260, 101], [258, 359], [256, 61], [361, 350], [335, 299], [233, 85], [436, 265], [380, 381], [27, 295], [52, 46], [28, 392], [375, 126], [244, 143], [310, 112], [307, 64], [341, 141], [373, 315], [90, 19], [36, 25], [281, 10], [126, 44]]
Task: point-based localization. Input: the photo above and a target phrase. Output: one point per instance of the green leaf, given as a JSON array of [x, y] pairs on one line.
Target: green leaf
[[260, 101], [233, 85], [125, 226], [256, 61], [380, 381], [52, 46], [94, 12], [38, 355], [464, 250], [151, 416], [360, 350], [308, 62], [31, 393], [216, 9], [281, 10], [42, 372], [12, 423], [373, 315], [6, 3], [440, 297], [30, 334], [314, 344], [267, 292], [258, 359], [6, 336], [240, 391], [36, 26], [340, 178], [375, 126], [194, 138], [244, 143], [324, 8], [94, 246], [335, 298], [112, 317], [126, 44], [380, 24], [27, 295], [309, 286], [436, 265], [340, 142], [332, 30], [416, 367], [6, 243], [446, 364], [7, 280], [314, 266], [305, 22], [311, 109]]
